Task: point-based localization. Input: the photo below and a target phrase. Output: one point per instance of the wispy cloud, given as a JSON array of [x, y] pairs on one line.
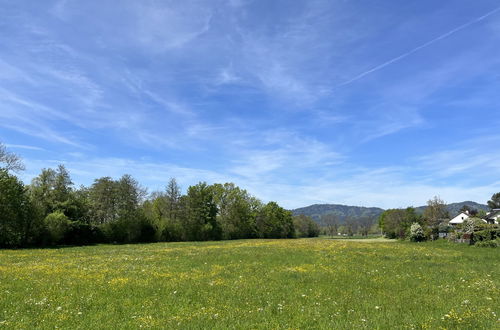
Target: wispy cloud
[[21, 146], [420, 47], [249, 91]]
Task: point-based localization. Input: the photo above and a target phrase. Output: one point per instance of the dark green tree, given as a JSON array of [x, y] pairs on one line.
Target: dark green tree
[[18, 224], [200, 214], [103, 202], [52, 190], [235, 214], [305, 226], [274, 221], [395, 223], [494, 202]]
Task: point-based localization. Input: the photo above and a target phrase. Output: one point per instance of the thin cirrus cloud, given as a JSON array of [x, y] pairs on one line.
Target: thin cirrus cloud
[[266, 94], [420, 47]]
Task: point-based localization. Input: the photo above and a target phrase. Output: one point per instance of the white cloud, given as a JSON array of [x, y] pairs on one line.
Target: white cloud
[[162, 27]]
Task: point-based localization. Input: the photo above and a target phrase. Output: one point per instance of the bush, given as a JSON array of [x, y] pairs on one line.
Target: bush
[[56, 225], [492, 244], [471, 224], [416, 233], [488, 236], [445, 227], [452, 236]]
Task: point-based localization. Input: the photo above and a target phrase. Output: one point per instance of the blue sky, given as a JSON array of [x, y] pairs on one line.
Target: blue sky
[[372, 103]]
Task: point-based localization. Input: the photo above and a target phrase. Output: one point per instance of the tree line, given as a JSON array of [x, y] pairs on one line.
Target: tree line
[[52, 211], [331, 225], [398, 223]]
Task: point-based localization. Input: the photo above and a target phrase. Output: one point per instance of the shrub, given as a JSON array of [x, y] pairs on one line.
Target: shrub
[[445, 227], [488, 236], [57, 225], [452, 236], [471, 224], [490, 243], [416, 233]]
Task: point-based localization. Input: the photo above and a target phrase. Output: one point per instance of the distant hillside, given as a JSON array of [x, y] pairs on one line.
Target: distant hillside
[[454, 208], [343, 212], [340, 211]]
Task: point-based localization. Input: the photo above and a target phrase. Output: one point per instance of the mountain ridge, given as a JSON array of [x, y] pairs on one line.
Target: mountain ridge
[[342, 212]]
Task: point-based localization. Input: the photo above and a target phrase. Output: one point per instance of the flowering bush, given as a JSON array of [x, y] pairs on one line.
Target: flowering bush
[[468, 226], [416, 233]]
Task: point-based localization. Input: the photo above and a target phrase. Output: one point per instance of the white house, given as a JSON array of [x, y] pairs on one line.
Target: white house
[[459, 219]]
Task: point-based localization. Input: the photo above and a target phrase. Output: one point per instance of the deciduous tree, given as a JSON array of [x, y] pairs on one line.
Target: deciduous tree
[[10, 161]]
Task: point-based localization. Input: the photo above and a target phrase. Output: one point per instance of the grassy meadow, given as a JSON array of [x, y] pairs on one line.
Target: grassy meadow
[[301, 283]]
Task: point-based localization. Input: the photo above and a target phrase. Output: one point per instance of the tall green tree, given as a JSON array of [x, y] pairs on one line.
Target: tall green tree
[[494, 202], [52, 190], [234, 207], [274, 221], [200, 214], [18, 223], [395, 223], [129, 195], [173, 195], [103, 201]]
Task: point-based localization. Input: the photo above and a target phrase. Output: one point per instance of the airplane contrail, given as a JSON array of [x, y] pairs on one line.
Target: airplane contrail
[[416, 49]]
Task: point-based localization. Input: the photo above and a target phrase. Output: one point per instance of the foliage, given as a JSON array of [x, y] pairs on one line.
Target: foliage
[[488, 235], [18, 223], [305, 226], [330, 224], [81, 233], [273, 221], [444, 227], [494, 202], [340, 212], [395, 223], [470, 224], [133, 228], [52, 191], [489, 243], [235, 212], [57, 225], [200, 216], [435, 212], [416, 233], [103, 195]]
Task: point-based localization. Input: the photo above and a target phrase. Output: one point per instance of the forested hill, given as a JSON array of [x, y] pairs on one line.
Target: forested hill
[[343, 212], [454, 208]]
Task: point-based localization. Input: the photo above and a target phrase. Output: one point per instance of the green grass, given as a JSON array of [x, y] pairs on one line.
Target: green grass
[[306, 283]]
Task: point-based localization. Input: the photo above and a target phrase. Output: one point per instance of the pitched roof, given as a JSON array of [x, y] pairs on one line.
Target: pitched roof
[[459, 218]]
